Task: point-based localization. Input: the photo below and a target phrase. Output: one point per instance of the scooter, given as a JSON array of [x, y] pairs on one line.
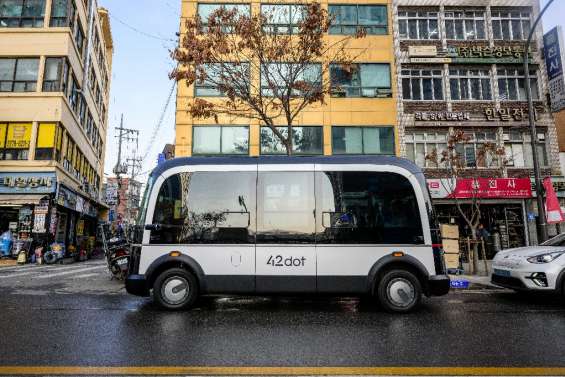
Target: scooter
[[118, 258]]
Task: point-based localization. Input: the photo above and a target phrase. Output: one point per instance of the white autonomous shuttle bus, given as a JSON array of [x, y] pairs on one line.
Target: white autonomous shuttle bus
[[288, 225]]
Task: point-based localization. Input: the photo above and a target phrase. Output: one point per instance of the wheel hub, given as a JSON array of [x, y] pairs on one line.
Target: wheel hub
[[175, 290], [401, 292]]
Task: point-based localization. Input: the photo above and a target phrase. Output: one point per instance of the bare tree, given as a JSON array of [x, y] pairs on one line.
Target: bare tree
[[264, 71], [453, 162]]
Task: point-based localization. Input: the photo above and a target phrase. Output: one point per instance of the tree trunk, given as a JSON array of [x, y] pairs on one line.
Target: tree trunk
[[475, 260]]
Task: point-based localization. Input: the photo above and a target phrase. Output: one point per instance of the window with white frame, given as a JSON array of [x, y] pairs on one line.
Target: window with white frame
[[518, 149], [465, 24], [474, 153], [422, 145], [512, 84], [220, 140], [510, 24], [283, 18], [205, 10], [276, 77], [361, 80], [422, 84], [470, 84], [348, 19], [418, 24], [219, 76]]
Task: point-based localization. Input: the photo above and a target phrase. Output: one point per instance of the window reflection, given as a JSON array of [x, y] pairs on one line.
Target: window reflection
[[206, 207], [286, 207], [366, 208]]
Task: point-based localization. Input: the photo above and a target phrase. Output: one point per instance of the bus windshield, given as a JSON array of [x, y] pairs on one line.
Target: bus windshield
[[143, 208]]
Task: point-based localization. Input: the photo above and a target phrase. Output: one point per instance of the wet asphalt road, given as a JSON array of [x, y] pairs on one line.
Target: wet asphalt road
[[479, 328]]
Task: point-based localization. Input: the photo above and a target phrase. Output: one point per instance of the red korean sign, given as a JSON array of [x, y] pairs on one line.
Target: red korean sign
[[484, 188]]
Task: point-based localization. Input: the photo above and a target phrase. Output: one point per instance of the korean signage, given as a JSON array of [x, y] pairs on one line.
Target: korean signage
[[69, 199], [27, 183], [441, 116], [508, 114], [18, 136], [505, 54], [553, 53], [484, 188], [487, 55]]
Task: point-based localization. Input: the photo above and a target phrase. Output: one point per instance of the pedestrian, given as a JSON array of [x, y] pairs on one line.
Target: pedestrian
[[482, 233]]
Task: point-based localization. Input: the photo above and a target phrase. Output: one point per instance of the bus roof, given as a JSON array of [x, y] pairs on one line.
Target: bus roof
[[280, 160]]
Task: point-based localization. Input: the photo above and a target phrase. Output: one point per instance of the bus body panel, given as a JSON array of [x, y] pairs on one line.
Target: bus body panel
[[290, 267]]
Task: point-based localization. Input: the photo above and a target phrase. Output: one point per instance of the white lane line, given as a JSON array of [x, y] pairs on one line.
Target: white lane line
[[48, 276], [20, 274], [39, 269], [83, 276]]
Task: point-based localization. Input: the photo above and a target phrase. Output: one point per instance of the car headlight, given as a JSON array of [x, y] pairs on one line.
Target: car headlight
[[546, 257]]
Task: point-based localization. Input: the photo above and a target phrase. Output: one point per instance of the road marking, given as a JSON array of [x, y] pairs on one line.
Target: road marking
[[46, 270], [287, 371], [48, 276]]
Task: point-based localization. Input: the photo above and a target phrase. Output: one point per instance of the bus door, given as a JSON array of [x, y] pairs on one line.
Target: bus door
[[285, 251]]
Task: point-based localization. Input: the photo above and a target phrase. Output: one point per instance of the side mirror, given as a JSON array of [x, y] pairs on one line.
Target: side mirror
[[155, 227]]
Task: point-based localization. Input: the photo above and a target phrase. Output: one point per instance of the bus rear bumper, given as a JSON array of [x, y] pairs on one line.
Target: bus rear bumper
[[137, 285], [438, 285]]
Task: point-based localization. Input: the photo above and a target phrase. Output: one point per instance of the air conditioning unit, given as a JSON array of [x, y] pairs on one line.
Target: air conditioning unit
[[506, 137], [541, 137], [368, 93]]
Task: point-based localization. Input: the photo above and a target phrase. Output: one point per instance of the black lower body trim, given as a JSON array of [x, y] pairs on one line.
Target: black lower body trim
[[438, 285], [230, 283], [285, 284], [343, 284], [137, 285]]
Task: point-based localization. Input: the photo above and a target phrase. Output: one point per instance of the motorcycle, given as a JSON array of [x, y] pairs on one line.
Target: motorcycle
[[117, 252]]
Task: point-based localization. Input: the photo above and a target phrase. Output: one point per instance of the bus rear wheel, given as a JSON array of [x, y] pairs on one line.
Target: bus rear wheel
[[399, 291], [175, 289]]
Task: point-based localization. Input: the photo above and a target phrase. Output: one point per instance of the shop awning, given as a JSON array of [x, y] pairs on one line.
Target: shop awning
[[20, 200]]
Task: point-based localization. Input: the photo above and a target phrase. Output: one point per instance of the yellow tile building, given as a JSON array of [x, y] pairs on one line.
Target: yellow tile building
[[361, 120], [55, 70]]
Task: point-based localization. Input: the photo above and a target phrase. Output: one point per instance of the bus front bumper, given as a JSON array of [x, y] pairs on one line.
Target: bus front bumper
[[438, 285], [137, 285]]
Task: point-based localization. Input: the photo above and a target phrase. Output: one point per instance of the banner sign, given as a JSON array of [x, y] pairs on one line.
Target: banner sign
[[28, 183], [441, 116], [553, 53], [552, 207], [484, 188]]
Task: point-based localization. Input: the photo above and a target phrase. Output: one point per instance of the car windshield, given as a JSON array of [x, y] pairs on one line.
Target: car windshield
[[558, 240]]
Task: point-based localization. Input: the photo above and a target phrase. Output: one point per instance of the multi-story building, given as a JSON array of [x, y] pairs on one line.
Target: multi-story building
[[361, 119], [122, 195], [55, 65], [459, 67]]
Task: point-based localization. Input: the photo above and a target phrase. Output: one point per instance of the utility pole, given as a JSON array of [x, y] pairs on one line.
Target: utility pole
[[533, 132], [124, 135]]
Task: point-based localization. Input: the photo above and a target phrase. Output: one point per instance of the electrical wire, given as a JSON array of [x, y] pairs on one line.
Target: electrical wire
[[159, 123], [141, 31]]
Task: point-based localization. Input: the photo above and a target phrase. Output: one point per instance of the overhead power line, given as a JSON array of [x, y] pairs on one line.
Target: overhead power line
[[159, 123], [141, 31]]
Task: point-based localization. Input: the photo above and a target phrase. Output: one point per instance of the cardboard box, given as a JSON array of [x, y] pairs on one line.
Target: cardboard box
[[452, 260], [449, 231], [451, 246]]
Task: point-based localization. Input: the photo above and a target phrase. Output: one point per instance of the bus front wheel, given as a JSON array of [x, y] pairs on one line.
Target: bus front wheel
[[399, 291], [175, 289]]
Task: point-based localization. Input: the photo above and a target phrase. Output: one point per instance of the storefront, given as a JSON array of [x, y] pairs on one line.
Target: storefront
[[38, 211], [504, 208]]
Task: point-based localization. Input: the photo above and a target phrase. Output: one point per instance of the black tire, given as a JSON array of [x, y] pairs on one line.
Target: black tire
[[166, 294], [399, 301], [49, 257]]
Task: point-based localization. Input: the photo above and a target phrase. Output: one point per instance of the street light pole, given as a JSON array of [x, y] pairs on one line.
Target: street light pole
[[533, 133]]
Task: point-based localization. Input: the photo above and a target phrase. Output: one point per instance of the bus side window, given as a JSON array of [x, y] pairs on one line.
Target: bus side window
[[285, 208], [366, 208]]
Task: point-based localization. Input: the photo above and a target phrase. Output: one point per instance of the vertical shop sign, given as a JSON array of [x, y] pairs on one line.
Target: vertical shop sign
[[552, 207], [553, 51]]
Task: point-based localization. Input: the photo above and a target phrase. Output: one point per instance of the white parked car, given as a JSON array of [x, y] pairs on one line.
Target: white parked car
[[532, 268]]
